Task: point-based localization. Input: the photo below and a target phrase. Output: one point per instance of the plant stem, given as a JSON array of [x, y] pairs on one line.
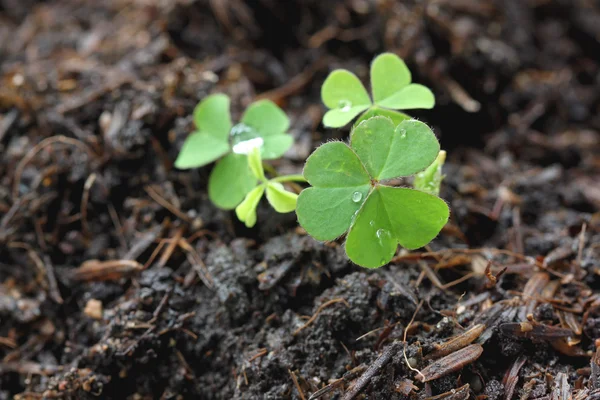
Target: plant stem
[[269, 168]]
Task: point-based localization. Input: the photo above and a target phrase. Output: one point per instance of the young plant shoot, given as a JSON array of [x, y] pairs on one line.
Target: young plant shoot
[[263, 126], [349, 193], [431, 179], [279, 198], [346, 97]]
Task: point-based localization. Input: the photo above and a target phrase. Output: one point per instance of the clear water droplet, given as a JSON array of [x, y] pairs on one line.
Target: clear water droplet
[[244, 139], [344, 105], [402, 133], [244, 147], [356, 197], [381, 233], [372, 223], [383, 261], [241, 129]]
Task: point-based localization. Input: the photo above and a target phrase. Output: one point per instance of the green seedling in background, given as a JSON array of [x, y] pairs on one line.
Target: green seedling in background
[[279, 198], [346, 97], [349, 194], [262, 126], [431, 179]]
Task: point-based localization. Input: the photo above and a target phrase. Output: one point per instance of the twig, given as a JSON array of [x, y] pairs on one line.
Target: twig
[[261, 352], [164, 258], [431, 275], [44, 266], [374, 330], [197, 263], [298, 388], [36, 149], [95, 270], [581, 244], [321, 307], [84, 203], [163, 202], [365, 378], [459, 280], [516, 216], [337, 383], [296, 83]]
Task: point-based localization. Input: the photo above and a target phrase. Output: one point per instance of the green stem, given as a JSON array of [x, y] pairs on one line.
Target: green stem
[[269, 168], [289, 178]]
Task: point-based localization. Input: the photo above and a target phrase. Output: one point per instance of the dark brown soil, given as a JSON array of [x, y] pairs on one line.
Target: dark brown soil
[[120, 280]]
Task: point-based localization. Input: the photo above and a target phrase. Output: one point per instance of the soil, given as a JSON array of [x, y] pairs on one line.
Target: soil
[[120, 280]]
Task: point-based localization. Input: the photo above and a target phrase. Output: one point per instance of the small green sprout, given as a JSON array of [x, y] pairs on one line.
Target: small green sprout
[[348, 193], [262, 126], [431, 179], [279, 198], [346, 97]]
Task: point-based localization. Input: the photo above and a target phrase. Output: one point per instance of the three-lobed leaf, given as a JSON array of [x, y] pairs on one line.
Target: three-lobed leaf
[[347, 195], [263, 125], [346, 97], [280, 199]]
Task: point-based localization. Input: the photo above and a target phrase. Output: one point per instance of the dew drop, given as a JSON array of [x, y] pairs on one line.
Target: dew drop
[[356, 197], [402, 133], [245, 146], [381, 233], [372, 223], [244, 139], [240, 129], [344, 105], [383, 261]]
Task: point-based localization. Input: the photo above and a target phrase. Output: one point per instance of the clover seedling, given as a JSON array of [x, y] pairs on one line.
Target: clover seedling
[[263, 126], [279, 198], [346, 97], [431, 179], [349, 193]]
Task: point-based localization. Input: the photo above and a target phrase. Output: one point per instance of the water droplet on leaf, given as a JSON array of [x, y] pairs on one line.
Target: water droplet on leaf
[[402, 133], [356, 197], [344, 105], [244, 147], [244, 139], [381, 233], [372, 223]]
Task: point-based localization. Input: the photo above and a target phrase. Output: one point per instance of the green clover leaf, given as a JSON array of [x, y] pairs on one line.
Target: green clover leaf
[[347, 193], [346, 97], [263, 125], [279, 198], [246, 210]]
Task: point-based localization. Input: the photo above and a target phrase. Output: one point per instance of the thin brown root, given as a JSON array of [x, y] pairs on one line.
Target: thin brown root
[[404, 339], [321, 307]]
